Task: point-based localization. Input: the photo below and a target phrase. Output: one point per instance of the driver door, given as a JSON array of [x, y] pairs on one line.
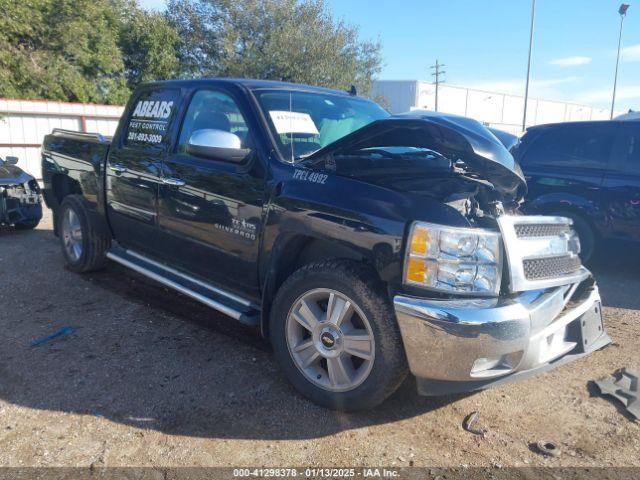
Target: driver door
[[210, 210]]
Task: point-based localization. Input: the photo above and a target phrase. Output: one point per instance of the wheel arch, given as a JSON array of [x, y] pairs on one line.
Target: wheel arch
[[292, 251], [61, 186], [586, 209], [584, 214]]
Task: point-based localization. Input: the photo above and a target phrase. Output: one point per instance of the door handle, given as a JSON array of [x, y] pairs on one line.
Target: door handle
[[174, 182], [117, 167]]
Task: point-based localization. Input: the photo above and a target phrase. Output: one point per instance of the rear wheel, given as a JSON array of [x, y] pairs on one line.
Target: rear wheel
[[335, 335], [83, 246]]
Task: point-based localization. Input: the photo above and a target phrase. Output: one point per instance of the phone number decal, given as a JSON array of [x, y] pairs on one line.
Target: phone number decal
[[144, 137]]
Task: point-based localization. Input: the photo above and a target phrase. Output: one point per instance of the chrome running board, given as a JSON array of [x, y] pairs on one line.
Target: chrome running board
[[225, 302]]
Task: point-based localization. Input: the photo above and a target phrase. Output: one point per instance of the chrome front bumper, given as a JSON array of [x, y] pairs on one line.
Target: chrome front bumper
[[462, 345]]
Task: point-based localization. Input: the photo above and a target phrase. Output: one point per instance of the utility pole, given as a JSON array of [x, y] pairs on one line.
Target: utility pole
[[623, 13], [526, 88], [438, 73]]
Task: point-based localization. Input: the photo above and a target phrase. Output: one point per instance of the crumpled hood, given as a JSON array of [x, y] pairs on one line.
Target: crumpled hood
[[12, 175], [456, 137]]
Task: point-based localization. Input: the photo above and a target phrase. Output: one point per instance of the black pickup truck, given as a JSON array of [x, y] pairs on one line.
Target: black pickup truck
[[362, 245]]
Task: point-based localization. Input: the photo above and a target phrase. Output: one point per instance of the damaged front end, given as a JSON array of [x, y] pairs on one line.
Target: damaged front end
[[20, 197], [501, 298], [453, 159]]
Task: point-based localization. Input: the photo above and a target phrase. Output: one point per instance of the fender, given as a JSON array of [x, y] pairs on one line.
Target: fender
[[356, 219], [291, 251], [369, 219]]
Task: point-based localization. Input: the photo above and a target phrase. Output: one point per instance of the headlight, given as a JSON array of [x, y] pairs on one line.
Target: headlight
[[453, 260]]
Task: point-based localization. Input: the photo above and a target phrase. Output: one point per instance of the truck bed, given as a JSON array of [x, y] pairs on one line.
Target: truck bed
[[68, 141], [73, 162]]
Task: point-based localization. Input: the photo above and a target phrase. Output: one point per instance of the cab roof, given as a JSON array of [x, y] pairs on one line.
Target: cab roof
[[248, 83], [579, 123]]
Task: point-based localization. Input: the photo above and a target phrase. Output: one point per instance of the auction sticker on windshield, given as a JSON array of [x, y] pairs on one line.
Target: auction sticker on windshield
[[293, 122]]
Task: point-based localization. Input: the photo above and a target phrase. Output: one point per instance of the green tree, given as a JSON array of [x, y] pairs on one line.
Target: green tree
[[99, 50], [148, 44], [290, 40], [199, 29], [61, 50]]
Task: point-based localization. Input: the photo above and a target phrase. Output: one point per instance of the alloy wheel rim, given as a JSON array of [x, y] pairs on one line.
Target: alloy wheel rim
[[330, 340], [72, 235]]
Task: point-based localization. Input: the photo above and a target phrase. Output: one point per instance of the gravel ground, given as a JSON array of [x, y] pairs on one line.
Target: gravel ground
[[149, 377]]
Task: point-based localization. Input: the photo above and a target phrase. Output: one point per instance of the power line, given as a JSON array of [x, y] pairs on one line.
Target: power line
[[438, 73]]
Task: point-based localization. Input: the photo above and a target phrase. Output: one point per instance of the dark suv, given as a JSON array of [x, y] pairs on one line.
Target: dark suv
[[588, 171]]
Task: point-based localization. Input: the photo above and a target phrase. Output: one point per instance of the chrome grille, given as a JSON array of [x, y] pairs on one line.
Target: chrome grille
[[550, 267], [541, 252], [541, 230]]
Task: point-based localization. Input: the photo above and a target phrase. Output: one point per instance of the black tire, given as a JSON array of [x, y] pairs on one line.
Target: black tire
[[95, 242], [27, 225], [588, 239], [356, 281]]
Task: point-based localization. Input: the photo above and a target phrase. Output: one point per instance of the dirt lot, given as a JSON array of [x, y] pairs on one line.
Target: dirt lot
[[151, 378]]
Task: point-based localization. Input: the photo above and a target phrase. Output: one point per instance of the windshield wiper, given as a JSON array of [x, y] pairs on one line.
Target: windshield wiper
[[305, 155]]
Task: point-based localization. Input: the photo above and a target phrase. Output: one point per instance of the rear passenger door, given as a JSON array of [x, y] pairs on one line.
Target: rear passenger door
[[622, 183], [210, 210], [565, 165], [133, 168]]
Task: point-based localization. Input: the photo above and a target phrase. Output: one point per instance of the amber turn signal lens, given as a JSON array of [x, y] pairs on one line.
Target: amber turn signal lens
[[416, 270], [419, 241]]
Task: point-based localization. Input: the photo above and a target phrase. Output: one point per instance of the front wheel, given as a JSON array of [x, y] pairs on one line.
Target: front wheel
[[336, 337]]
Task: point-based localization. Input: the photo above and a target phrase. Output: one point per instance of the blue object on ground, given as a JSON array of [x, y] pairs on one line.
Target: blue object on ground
[[59, 333]]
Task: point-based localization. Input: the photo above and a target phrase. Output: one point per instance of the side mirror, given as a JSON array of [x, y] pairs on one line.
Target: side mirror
[[11, 160], [217, 145]]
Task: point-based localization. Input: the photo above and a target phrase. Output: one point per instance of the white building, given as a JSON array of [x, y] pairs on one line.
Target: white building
[[24, 123], [499, 110]]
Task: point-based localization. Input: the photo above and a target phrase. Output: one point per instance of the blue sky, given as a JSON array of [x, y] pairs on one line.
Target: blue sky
[[484, 44]]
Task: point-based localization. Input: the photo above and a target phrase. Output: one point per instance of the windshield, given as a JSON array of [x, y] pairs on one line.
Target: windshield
[[304, 122]]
